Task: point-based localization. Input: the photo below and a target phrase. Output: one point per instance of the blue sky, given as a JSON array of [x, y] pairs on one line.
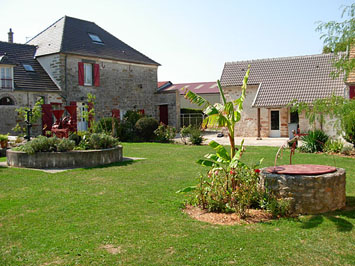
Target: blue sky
[[190, 39]]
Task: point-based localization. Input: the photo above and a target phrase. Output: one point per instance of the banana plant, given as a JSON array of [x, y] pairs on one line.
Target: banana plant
[[222, 115]]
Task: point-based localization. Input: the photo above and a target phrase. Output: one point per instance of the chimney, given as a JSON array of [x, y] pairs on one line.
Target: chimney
[[11, 36]]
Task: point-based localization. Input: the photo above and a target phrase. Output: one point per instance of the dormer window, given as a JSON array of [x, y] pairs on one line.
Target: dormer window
[[6, 77], [28, 68], [95, 38]]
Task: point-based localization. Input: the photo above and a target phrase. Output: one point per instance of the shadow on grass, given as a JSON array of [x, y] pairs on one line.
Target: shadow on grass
[[124, 163], [341, 224]]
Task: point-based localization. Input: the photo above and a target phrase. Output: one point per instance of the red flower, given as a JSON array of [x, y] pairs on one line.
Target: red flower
[[232, 172], [257, 171]]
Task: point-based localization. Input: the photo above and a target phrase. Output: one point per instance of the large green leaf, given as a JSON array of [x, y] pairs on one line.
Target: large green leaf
[[186, 189], [206, 162], [221, 92], [196, 99]]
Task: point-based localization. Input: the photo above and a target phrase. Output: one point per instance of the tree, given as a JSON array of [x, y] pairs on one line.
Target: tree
[[224, 115], [339, 37]]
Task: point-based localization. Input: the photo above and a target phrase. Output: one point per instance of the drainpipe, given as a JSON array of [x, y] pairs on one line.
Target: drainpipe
[[259, 125]]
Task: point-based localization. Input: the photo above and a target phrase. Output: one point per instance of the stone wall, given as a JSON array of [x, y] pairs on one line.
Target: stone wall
[[308, 194], [172, 99], [70, 159]]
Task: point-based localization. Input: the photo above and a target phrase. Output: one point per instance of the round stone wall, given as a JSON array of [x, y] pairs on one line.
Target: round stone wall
[[308, 194], [70, 159]]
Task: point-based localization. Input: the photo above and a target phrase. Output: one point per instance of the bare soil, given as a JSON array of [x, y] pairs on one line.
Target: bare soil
[[253, 216]]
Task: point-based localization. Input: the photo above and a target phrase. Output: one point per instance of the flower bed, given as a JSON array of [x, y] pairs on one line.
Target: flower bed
[[70, 159]]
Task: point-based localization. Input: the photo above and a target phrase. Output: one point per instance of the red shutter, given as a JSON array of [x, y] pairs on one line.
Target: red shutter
[[352, 92], [116, 114], [47, 118], [97, 75], [141, 111], [81, 73]]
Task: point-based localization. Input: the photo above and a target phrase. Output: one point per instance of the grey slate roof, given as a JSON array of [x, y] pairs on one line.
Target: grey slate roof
[[70, 35], [19, 54], [282, 80]]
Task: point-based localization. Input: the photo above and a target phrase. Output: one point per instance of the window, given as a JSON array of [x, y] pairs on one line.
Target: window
[[6, 101], [28, 68], [87, 74], [294, 117], [6, 77], [95, 38]]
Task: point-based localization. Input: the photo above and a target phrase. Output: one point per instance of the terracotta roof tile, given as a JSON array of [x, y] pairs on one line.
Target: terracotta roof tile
[[282, 80]]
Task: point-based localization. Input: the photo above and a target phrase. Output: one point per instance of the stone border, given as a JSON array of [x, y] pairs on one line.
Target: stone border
[[308, 194], [70, 159]]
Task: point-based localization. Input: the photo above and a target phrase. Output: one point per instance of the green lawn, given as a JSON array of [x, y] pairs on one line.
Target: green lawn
[[66, 218]]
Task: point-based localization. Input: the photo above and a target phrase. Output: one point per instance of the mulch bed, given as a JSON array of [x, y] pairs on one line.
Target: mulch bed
[[253, 216]]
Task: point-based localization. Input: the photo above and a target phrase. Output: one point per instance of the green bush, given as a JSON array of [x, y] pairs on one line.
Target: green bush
[[104, 125], [101, 141], [145, 127], [314, 141], [65, 145], [195, 136], [193, 133], [165, 133], [333, 146], [126, 130], [44, 144]]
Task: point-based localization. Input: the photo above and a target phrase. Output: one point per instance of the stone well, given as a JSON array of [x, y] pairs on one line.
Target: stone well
[[70, 159], [308, 193]]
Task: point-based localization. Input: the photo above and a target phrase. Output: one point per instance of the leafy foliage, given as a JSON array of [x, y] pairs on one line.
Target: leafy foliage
[[224, 115], [335, 107], [339, 37], [104, 125], [127, 128], [89, 114], [314, 141], [165, 133], [193, 133], [44, 144], [22, 113], [333, 146], [145, 127]]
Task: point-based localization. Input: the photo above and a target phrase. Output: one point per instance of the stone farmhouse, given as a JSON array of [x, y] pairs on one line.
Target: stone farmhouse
[[76, 57], [275, 82]]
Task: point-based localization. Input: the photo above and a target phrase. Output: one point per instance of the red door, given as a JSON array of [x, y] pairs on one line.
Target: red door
[[163, 114]]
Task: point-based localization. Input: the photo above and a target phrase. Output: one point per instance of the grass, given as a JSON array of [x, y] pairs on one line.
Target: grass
[[67, 218]]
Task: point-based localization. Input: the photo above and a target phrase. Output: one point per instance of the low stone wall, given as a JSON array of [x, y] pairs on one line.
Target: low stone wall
[[80, 158], [308, 194]]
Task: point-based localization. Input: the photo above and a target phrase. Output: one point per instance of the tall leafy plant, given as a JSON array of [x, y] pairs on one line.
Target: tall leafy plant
[[222, 115]]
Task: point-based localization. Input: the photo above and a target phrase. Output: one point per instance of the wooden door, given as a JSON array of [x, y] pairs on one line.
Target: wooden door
[[163, 114]]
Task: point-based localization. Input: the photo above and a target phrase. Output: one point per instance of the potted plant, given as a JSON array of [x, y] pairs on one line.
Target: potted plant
[[3, 141]]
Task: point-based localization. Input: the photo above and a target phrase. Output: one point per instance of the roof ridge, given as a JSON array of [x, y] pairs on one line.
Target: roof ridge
[[23, 44], [203, 82], [282, 58], [45, 29]]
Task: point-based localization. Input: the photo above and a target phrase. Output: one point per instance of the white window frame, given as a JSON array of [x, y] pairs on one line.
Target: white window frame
[[88, 74], [4, 78]]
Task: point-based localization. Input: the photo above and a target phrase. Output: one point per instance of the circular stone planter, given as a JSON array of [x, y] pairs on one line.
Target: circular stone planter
[[308, 193], [70, 159]]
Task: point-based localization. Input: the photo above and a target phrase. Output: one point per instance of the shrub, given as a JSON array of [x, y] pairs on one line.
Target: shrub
[[145, 127], [195, 136], [65, 145], [126, 130], [333, 146], [101, 141], [104, 125], [193, 133], [165, 133], [314, 141]]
